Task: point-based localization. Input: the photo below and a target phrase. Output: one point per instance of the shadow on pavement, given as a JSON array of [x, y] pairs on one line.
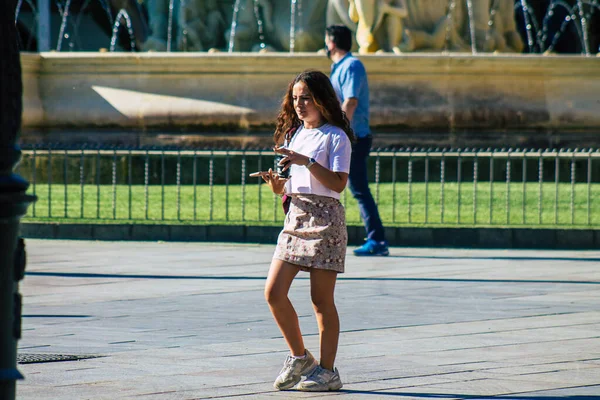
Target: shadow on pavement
[[262, 278], [510, 258], [469, 397]]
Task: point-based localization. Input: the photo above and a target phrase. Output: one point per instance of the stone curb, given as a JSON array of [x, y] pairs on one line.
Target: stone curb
[[506, 238]]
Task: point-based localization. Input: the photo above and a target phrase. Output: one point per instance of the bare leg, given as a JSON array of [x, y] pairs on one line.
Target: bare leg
[[322, 285], [281, 275]]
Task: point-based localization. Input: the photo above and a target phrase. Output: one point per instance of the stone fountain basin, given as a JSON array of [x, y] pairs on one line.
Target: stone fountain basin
[[239, 93]]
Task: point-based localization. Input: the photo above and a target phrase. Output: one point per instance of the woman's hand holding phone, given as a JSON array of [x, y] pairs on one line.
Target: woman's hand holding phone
[[276, 183]]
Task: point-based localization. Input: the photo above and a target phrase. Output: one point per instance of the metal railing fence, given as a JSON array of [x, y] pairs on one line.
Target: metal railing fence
[[474, 187]]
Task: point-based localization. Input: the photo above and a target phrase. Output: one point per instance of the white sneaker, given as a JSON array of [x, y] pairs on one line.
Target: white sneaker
[[321, 380], [293, 370]]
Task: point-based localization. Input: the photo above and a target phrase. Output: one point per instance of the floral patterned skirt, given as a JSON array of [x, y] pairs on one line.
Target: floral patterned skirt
[[314, 234]]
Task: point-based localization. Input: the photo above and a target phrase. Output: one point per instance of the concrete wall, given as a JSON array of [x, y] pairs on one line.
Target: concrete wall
[[33, 109], [200, 92]]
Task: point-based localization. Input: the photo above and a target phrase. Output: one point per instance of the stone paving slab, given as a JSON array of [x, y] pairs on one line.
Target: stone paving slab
[[189, 321]]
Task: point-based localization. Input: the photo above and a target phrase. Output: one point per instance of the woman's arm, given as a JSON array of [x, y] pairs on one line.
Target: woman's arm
[[335, 181]]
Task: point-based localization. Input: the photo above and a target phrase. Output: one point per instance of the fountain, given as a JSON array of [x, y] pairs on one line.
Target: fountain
[[236, 10], [422, 25], [82, 24], [572, 14], [472, 26], [239, 58], [122, 16]]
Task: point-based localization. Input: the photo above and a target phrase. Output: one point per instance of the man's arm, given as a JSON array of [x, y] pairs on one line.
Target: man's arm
[[351, 87], [349, 106]]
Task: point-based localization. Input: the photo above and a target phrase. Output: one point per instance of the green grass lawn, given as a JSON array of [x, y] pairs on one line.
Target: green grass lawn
[[399, 205]]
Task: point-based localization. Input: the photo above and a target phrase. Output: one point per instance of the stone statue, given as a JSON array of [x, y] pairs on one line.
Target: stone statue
[[338, 13], [246, 34], [388, 15], [158, 14], [309, 24], [380, 25], [200, 25], [433, 25], [196, 25], [504, 35]]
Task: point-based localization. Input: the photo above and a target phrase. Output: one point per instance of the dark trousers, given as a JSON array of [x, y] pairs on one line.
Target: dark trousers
[[358, 183]]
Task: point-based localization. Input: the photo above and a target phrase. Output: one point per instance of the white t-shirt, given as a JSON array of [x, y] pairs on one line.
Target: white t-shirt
[[330, 147]]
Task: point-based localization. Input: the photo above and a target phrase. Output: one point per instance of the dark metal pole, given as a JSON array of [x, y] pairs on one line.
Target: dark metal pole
[[43, 28], [13, 201]]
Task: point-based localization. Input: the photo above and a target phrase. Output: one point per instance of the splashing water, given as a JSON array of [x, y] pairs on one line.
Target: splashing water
[[537, 38], [34, 10], [259, 21], [80, 15], [578, 12], [63, 24], [295, 17], [184, 32], [122, 15], [19, 4], [472, 26], [299, 25], [234, 20], [293, 26], [170, 25], [584, 28], [490, 25], [106, 8], [449, 23], [65, 14], [528, 26]]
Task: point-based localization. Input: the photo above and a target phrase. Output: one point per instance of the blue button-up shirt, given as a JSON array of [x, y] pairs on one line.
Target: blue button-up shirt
[[349, 79]]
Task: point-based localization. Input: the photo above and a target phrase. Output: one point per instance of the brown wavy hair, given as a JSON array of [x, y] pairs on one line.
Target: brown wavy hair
[[325, 100]]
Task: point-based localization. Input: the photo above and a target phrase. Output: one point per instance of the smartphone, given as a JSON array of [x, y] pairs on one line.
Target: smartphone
[[279, 168]]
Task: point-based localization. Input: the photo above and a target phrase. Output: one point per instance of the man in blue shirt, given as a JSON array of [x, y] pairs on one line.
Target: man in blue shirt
[[349, 79]]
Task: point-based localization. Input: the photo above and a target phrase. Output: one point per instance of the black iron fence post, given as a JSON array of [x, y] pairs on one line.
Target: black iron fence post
[[13, 201]]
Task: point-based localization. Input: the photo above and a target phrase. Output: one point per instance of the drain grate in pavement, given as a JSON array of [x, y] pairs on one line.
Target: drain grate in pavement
[[46, 358]]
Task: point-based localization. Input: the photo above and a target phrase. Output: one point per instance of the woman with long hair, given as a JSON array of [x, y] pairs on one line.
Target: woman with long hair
[[318, 140]]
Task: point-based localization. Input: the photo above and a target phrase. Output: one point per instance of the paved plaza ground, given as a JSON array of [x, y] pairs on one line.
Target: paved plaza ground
[[189, 321]]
